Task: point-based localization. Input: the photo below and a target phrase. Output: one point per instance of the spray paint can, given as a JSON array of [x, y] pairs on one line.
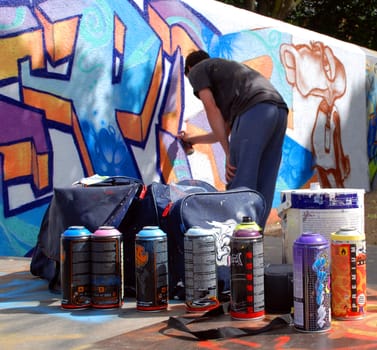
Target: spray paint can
[[311, 283], [200, 270], [247, 272], [107, 268], [247, 223], [151, 269], [187, 146], [75, 268], [348, 274]]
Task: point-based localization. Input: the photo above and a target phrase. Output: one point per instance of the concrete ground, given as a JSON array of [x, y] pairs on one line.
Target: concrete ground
[[31, 318]]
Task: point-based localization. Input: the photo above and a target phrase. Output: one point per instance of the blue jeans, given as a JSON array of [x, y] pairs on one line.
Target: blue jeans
[[256, 143]]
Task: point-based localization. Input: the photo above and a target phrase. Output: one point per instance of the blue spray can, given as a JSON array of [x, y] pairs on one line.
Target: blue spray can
[[75, 268], [151, 269]]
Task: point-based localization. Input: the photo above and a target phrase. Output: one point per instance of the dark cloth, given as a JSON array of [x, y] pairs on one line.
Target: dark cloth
[[235, 86]]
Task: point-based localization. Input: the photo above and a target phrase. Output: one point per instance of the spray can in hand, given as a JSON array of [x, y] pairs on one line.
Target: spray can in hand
[[187, 146]]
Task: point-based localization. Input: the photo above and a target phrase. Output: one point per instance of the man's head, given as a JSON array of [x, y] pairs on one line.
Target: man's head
[[193, 58]]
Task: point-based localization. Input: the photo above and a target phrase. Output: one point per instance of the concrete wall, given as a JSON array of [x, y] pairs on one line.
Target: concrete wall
[[98, 87]]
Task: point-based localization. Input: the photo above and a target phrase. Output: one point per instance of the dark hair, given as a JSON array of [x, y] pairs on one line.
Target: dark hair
[[193, 58]]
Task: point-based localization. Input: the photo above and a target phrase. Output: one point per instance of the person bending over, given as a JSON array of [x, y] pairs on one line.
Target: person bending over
[[247, 116]]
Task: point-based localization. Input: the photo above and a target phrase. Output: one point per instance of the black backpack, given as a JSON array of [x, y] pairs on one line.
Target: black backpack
[[102, 204], [151, 210]]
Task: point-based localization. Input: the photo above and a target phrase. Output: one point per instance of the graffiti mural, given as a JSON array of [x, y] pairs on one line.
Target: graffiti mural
[[371, 88], [329, 84], [97, 87]]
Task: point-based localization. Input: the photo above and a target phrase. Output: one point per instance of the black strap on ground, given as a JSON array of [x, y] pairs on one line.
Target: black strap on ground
[[180, 323]]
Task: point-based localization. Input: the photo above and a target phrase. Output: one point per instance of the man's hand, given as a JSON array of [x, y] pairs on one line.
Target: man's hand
[[230, 170], [184, 136]]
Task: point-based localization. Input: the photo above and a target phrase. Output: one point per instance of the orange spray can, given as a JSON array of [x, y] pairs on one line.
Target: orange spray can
[[348, 274]]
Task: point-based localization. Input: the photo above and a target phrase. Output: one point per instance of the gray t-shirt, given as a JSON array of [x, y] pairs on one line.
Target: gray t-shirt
[[235, 86]]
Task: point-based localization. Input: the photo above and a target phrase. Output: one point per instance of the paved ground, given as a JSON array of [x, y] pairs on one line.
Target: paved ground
[[31, 318]]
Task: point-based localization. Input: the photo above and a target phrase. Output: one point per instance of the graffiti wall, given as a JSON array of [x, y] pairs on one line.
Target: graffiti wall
[[97, 87], [371, 95]]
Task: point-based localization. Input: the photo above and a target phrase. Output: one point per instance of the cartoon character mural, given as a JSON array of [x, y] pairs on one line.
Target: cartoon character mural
[[325, 79]]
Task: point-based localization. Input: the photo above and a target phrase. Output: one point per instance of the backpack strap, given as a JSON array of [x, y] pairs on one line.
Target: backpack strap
[[180, 323]]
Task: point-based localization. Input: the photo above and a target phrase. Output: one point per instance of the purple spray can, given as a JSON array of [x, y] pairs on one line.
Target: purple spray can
[[311, 283]]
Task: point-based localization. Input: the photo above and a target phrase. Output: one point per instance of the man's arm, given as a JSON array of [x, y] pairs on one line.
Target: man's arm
[[195, 139], [219, 128], [215, 119]]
